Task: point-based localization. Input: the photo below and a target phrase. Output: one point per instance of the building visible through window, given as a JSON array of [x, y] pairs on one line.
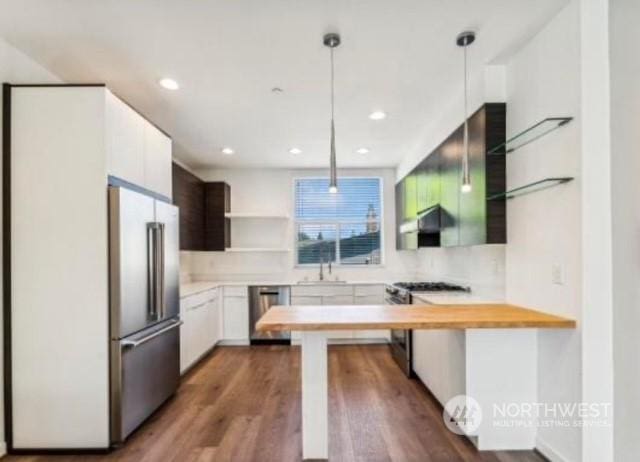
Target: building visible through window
[[344, 228]]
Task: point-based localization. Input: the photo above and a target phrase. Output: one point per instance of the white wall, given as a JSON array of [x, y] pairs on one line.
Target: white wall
[[542, 79], [480, 267], [16, 67], [485, 86], [625, 152], [544, 229], [271, 190]]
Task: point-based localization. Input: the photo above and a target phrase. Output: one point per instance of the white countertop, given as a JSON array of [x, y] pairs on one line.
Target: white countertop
[[191, 288], [456, 299]]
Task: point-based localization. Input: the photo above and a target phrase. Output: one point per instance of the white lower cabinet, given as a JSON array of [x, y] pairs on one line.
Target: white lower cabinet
[[299, 300], [200, 330], [439, 360], [235, 315], [375, 299], [339, 300], [342, 294]]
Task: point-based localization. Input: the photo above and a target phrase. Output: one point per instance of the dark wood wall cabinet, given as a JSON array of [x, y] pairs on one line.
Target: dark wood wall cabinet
[[431, 192], [203, 225]]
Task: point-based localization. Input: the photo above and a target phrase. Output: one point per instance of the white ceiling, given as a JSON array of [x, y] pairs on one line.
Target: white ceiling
[[398, 55]]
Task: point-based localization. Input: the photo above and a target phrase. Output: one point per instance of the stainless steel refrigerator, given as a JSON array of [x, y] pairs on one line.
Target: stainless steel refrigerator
[[144, 307]]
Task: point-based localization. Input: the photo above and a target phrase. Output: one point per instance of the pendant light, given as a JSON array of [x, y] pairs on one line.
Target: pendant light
[[332, 40], [463, 40]]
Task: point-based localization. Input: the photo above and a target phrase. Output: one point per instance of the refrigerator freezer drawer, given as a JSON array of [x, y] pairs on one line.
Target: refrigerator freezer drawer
[[145, 373]]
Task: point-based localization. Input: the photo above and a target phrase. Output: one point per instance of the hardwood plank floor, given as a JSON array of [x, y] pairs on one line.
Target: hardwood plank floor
[[243, 404]]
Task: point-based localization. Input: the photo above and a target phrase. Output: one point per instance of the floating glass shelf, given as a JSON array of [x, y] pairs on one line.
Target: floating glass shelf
[[530, 135], [530, 188]]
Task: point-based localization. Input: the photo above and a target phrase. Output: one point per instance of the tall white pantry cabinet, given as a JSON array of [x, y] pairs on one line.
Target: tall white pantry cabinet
[[62, 144]]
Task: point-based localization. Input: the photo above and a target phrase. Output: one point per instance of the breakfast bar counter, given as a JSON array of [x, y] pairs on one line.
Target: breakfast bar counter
[[501, 345]]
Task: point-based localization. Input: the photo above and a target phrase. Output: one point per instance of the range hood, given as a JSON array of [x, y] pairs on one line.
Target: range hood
[[428, 221]]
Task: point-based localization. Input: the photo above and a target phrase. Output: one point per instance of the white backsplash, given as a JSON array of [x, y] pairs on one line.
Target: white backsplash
[[480, 267]]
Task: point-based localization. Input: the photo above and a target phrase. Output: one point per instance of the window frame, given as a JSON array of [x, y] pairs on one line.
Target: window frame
[[337, 223]]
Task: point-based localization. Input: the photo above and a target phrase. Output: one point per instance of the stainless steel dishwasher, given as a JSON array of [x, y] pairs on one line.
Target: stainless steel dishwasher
[[261, 298]]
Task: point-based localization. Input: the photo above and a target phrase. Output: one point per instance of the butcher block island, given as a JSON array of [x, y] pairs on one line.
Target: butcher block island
[[500, 345]]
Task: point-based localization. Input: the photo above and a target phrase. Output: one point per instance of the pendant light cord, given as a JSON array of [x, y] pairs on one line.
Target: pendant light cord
[[466, 176], [466, 111], [332, 85], [466, 88]]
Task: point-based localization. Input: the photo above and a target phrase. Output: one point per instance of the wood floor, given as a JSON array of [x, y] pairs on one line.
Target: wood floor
[[243, 404]]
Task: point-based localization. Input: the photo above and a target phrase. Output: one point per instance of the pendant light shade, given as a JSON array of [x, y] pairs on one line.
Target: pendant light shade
[[332, 41], [463, 40]]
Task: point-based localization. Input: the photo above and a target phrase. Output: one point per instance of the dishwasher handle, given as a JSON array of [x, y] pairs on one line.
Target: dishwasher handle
[[269, 292]]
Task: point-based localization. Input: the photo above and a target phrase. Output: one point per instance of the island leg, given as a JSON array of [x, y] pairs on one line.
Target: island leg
[[315, 396]]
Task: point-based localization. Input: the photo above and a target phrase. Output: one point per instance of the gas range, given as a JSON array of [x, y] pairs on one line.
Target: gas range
[[430, 287], [400, 292]]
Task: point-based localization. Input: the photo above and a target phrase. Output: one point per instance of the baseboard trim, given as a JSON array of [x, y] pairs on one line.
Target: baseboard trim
[[548, 452], [233, 342], [351, 341]]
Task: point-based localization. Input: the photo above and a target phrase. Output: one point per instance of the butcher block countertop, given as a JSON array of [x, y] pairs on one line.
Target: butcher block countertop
[[348, 317]]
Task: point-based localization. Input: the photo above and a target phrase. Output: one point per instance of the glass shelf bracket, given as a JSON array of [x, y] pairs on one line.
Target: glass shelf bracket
[[530, 188], [529, 135]]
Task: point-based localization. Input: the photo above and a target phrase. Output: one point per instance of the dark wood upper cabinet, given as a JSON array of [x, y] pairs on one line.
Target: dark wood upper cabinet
[[450, 183], [466, 218], [202, 205], [188, 197], [217, 202], [483, 221]]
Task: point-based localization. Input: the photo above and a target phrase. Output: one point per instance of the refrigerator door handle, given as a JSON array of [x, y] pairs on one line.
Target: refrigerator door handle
[[151, 271], [160, 272], [136, 343]]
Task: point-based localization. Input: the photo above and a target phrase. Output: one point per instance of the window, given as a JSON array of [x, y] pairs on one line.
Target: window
[[344, 228]]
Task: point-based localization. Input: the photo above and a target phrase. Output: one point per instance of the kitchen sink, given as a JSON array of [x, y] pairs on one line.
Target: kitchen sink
[[325, 282]]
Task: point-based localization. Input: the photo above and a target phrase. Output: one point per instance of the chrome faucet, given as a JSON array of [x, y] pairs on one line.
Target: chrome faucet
[[321, 275]]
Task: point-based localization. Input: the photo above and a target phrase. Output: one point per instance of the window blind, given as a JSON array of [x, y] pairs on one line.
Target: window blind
[[344, 228]]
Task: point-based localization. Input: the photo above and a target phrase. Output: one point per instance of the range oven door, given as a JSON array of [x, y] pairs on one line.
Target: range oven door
[[401, 340], [401, 350]]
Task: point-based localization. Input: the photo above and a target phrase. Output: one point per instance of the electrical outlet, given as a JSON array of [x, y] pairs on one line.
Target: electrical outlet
[[557, 276], [495, 267]]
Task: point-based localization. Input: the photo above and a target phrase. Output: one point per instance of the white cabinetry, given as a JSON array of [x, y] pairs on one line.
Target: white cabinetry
[[200, 332], [157, 160], [65, 141], [370, 294], [125, 141], [236, 315], [439, 361], [346, 295], [137, 151]]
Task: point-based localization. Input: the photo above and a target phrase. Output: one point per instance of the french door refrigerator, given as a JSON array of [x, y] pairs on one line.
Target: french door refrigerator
[[144, 307]]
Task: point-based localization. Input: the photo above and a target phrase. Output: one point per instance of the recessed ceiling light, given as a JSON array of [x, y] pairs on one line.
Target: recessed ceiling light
[[377, 115], [295, 150], [169, 84], [227, 151], [362, 151]]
